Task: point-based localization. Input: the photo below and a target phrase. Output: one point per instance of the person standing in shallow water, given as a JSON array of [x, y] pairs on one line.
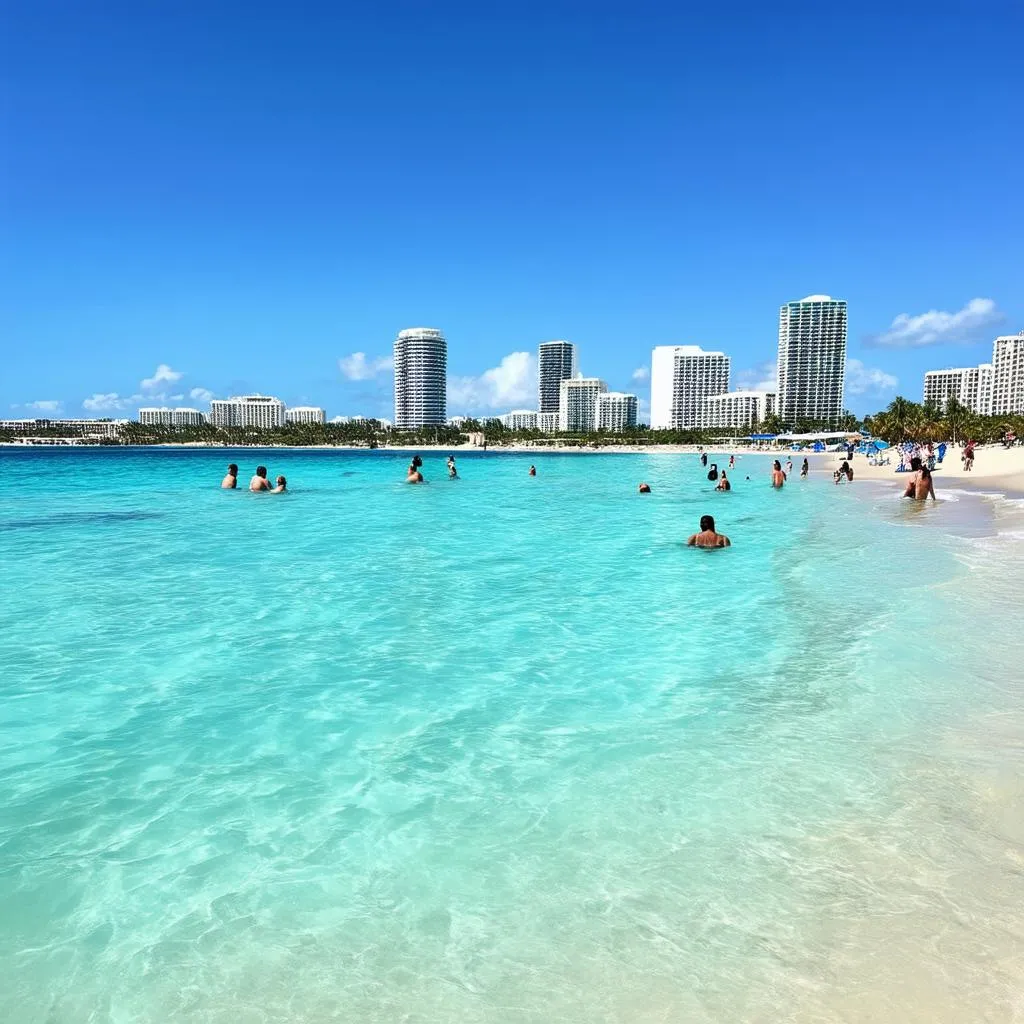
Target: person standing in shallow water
[[708, 538], [282, 486], [805, 469], [414, 476], [230, 482], [533, 471], [723, 484], [260, 482], [778, 477]]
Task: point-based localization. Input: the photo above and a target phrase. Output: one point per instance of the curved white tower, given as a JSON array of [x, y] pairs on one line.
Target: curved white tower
[[421, 378]]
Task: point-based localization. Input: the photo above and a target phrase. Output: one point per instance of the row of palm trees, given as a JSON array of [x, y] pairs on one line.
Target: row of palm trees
[[904, 420]]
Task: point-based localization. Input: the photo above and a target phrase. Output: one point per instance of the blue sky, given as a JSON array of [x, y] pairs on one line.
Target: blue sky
[[218, 197]]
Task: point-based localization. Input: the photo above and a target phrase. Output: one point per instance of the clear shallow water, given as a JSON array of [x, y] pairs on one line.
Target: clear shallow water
[[503, 750]]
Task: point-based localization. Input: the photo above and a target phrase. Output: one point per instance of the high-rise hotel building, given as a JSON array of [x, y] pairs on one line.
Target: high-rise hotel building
[[556, 361], [616, 411], [812, 359], [971, 386], [421, 378], [1008, 374], [304, 414], [577, 408], [737, 409], [682, 377], [260, 411]]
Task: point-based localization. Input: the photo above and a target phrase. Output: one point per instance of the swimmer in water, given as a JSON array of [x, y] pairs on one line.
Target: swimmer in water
[[805, 468], [645, 488], [414, 476], [452, 471], [282, 486], [713, 472], [707, 538], [789, 467], [260, 482], [230, 482], [723, 484], [778, 477], [533, 471], [732, 461]]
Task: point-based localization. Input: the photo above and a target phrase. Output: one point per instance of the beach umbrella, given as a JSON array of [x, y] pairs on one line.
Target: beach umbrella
[[880, 444]]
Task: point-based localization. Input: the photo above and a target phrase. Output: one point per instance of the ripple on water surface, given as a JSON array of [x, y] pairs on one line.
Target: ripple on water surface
[[503, 750]]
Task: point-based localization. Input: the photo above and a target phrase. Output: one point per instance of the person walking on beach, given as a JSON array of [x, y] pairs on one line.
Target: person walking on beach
[[707, 538], [230, 482], [778, 477], [969, 457], [413, 475], [805, 469], [723, 484], [260, 482], [282, 486]]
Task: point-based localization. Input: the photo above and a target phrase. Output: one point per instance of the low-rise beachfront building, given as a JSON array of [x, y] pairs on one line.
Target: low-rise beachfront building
[[547, 422], [737, 409], [971, 386], [682, 377], [304, 414], [616, 411], [1008, 374], [69, 428], [458, 422], [577, 403], [260, 411], [163, 417], [519, 419]]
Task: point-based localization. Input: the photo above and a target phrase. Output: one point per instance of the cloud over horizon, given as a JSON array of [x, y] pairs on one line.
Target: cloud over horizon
[[938, 327], [868, 380], [357, 367], [163, 375], [511, 384]]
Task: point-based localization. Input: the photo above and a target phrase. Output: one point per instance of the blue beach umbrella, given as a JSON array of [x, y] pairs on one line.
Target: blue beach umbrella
[[880, 444]]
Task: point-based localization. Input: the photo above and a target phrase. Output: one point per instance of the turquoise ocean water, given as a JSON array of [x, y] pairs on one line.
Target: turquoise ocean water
[[503, 750]]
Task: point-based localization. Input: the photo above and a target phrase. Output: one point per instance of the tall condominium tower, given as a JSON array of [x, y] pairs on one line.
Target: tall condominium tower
[[1008, 374], [421, 378], [812, 359], [682, 377], [969, 385], [556, 361], [577, 403]]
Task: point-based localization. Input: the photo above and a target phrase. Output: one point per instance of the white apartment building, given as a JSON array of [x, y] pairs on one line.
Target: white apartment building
[[519, 419], [70, 428], [969, 385], [163, 417], [260, 411], [547, 422], [1008, 374], [682, 377], [738, 409], [304, 414], [812, 359], [556, 361], [616, 411], [577, 403], [421, 378]]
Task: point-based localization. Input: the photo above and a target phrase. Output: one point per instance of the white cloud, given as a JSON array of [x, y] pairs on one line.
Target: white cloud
[[111, 401], [357, 367], [45, 405], [937, 327], [763, 377], [641, 374], [163, 375], [176, 398], [868, 380], [512, 383], [200, 394]]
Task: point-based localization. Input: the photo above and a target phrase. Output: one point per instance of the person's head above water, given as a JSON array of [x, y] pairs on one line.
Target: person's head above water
[[281, 482], [707, 523], [778, 465], [233, 469], [915, 463], [645, 488], [261, 471], [416, 462]]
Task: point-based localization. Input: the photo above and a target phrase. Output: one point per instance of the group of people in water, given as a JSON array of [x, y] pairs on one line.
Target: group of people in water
[[258, 483]]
